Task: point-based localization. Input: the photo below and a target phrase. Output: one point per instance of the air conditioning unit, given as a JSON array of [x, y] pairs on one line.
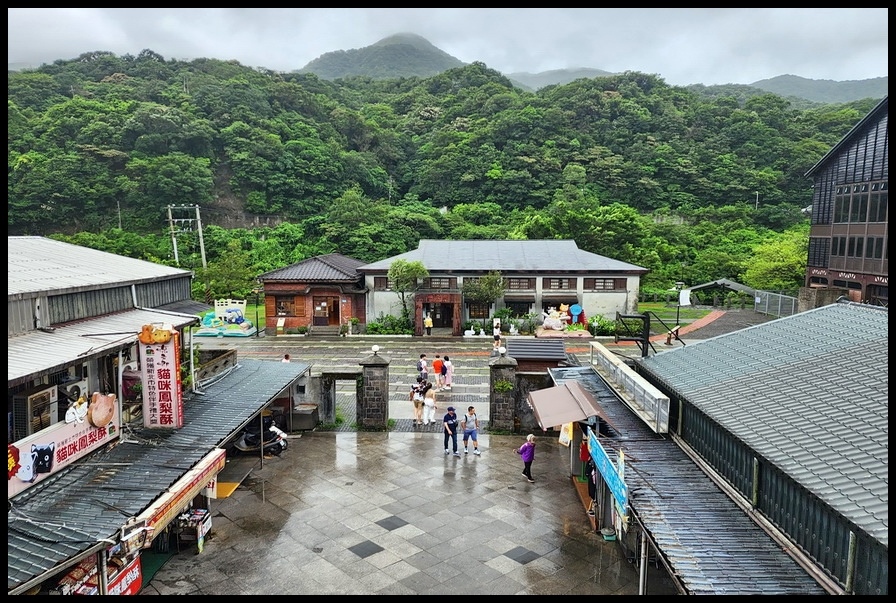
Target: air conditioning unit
[[76, 389], [34, 410]]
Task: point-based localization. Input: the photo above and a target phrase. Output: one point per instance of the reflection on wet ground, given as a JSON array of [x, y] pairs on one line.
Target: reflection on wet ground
[[390, 513]]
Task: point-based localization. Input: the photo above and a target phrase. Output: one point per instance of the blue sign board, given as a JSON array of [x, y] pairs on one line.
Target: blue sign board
[[608, 471]]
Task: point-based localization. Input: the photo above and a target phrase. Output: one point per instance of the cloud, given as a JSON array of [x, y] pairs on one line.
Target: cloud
[[681, 45]]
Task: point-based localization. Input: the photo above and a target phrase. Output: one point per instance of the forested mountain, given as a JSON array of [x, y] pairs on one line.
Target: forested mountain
[[285, 166], [410, 55]]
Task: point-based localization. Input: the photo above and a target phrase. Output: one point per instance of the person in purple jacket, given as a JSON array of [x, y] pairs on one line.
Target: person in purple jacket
[[527, 453]]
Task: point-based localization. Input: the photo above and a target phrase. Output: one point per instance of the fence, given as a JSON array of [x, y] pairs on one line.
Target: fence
[[775, 304]]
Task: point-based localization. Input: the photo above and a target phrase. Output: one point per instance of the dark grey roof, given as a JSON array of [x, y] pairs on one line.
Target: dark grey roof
[[332, 267], [536, 349], [712, 547], [880, 111], [70, 512], [186, 306], [549, 256], [809, 393]]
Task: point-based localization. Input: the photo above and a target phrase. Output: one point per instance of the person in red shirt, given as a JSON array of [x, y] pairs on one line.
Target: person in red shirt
[[437, 371]]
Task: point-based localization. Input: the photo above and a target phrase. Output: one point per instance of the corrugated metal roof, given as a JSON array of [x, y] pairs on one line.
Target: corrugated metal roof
[[550, 256], [66, 514], [333, 267], [38, 265], [712, 547], [536, 349], [40, 351], [880, 111], [809, 393]]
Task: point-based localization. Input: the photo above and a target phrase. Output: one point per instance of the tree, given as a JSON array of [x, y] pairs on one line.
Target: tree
[[405, 277], [484, 290], [228, 277]]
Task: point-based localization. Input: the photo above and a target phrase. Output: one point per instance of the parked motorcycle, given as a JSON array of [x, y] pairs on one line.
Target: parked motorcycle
[[266, 435]]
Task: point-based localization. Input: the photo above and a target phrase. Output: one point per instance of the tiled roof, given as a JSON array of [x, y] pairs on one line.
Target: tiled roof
[[69, 513], [549, 256], [332, 267], [807, 392], [38, 264], [712, 546]]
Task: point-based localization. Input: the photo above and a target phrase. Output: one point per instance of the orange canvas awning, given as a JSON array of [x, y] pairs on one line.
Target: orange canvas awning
[[565, 403]]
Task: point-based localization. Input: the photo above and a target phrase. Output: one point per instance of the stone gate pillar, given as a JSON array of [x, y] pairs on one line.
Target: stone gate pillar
[[502, 392], [373, 392]]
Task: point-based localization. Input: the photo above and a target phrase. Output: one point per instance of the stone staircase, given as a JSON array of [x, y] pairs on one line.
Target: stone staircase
[[321, 331]]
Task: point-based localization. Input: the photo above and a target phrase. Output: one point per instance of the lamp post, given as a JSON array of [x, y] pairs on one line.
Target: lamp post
[[256, 292]]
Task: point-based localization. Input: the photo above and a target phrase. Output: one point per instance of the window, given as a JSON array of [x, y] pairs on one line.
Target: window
[[877, 207], [479, 310], [604, 284], [381, 283], [515, 284], [854, 249], [559, 283], [439, 283], [874, 249], [838, 247], [286, 306], [518, 309]]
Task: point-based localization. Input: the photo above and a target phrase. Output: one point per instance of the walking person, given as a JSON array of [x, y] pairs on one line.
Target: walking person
[[527, 453], [470, 426], [447, 373], [496, 333], [449, 426], [422, 370], [427, 324], [416, 397], [429, 404], [437, 371], [285, 358]]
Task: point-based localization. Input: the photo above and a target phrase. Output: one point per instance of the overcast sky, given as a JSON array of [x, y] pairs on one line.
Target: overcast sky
[[681, 45]]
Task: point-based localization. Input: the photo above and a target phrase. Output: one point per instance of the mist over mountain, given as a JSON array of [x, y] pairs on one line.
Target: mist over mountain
[[410, 55]]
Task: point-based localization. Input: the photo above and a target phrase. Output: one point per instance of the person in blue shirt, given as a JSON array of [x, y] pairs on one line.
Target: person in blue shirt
[[450, 425]]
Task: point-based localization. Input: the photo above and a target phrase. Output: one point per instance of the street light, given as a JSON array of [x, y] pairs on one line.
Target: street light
[[256, 292]]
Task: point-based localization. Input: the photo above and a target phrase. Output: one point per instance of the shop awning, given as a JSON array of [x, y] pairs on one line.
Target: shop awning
[[565, 403], [519, 297]]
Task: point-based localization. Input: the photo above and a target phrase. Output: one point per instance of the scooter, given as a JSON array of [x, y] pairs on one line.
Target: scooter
[[274, 441]]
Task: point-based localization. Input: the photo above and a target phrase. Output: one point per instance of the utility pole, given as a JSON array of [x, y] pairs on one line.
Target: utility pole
[[173, 237], [757, 201]]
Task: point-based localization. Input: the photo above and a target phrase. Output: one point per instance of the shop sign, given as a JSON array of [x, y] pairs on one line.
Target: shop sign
[[46, 452], [608, 470], [163, 403], [172, 503]]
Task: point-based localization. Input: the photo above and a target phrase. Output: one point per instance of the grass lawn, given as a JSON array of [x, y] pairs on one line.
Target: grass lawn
[[667, 313]]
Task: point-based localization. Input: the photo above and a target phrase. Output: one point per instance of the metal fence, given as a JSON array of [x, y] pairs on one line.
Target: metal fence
[[775, 304]]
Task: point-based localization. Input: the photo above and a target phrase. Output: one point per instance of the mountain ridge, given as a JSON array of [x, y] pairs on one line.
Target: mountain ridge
[[369, 62]]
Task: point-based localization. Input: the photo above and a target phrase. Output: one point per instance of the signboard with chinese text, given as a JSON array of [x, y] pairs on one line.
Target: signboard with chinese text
[[44, 453], [163, 405]]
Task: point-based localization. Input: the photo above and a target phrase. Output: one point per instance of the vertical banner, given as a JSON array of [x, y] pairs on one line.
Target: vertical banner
[[684, 297], [163, 405]]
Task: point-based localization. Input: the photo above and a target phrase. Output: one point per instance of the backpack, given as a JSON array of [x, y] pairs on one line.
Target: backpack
[[419, 366], [444, 370]]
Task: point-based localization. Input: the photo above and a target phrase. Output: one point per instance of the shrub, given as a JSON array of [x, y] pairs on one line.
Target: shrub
[[387, 324]]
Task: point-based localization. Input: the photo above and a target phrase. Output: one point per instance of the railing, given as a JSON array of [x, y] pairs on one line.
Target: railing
[[775, 304]]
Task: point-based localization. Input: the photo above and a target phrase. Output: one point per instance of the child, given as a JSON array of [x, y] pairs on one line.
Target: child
[[527, 453]]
